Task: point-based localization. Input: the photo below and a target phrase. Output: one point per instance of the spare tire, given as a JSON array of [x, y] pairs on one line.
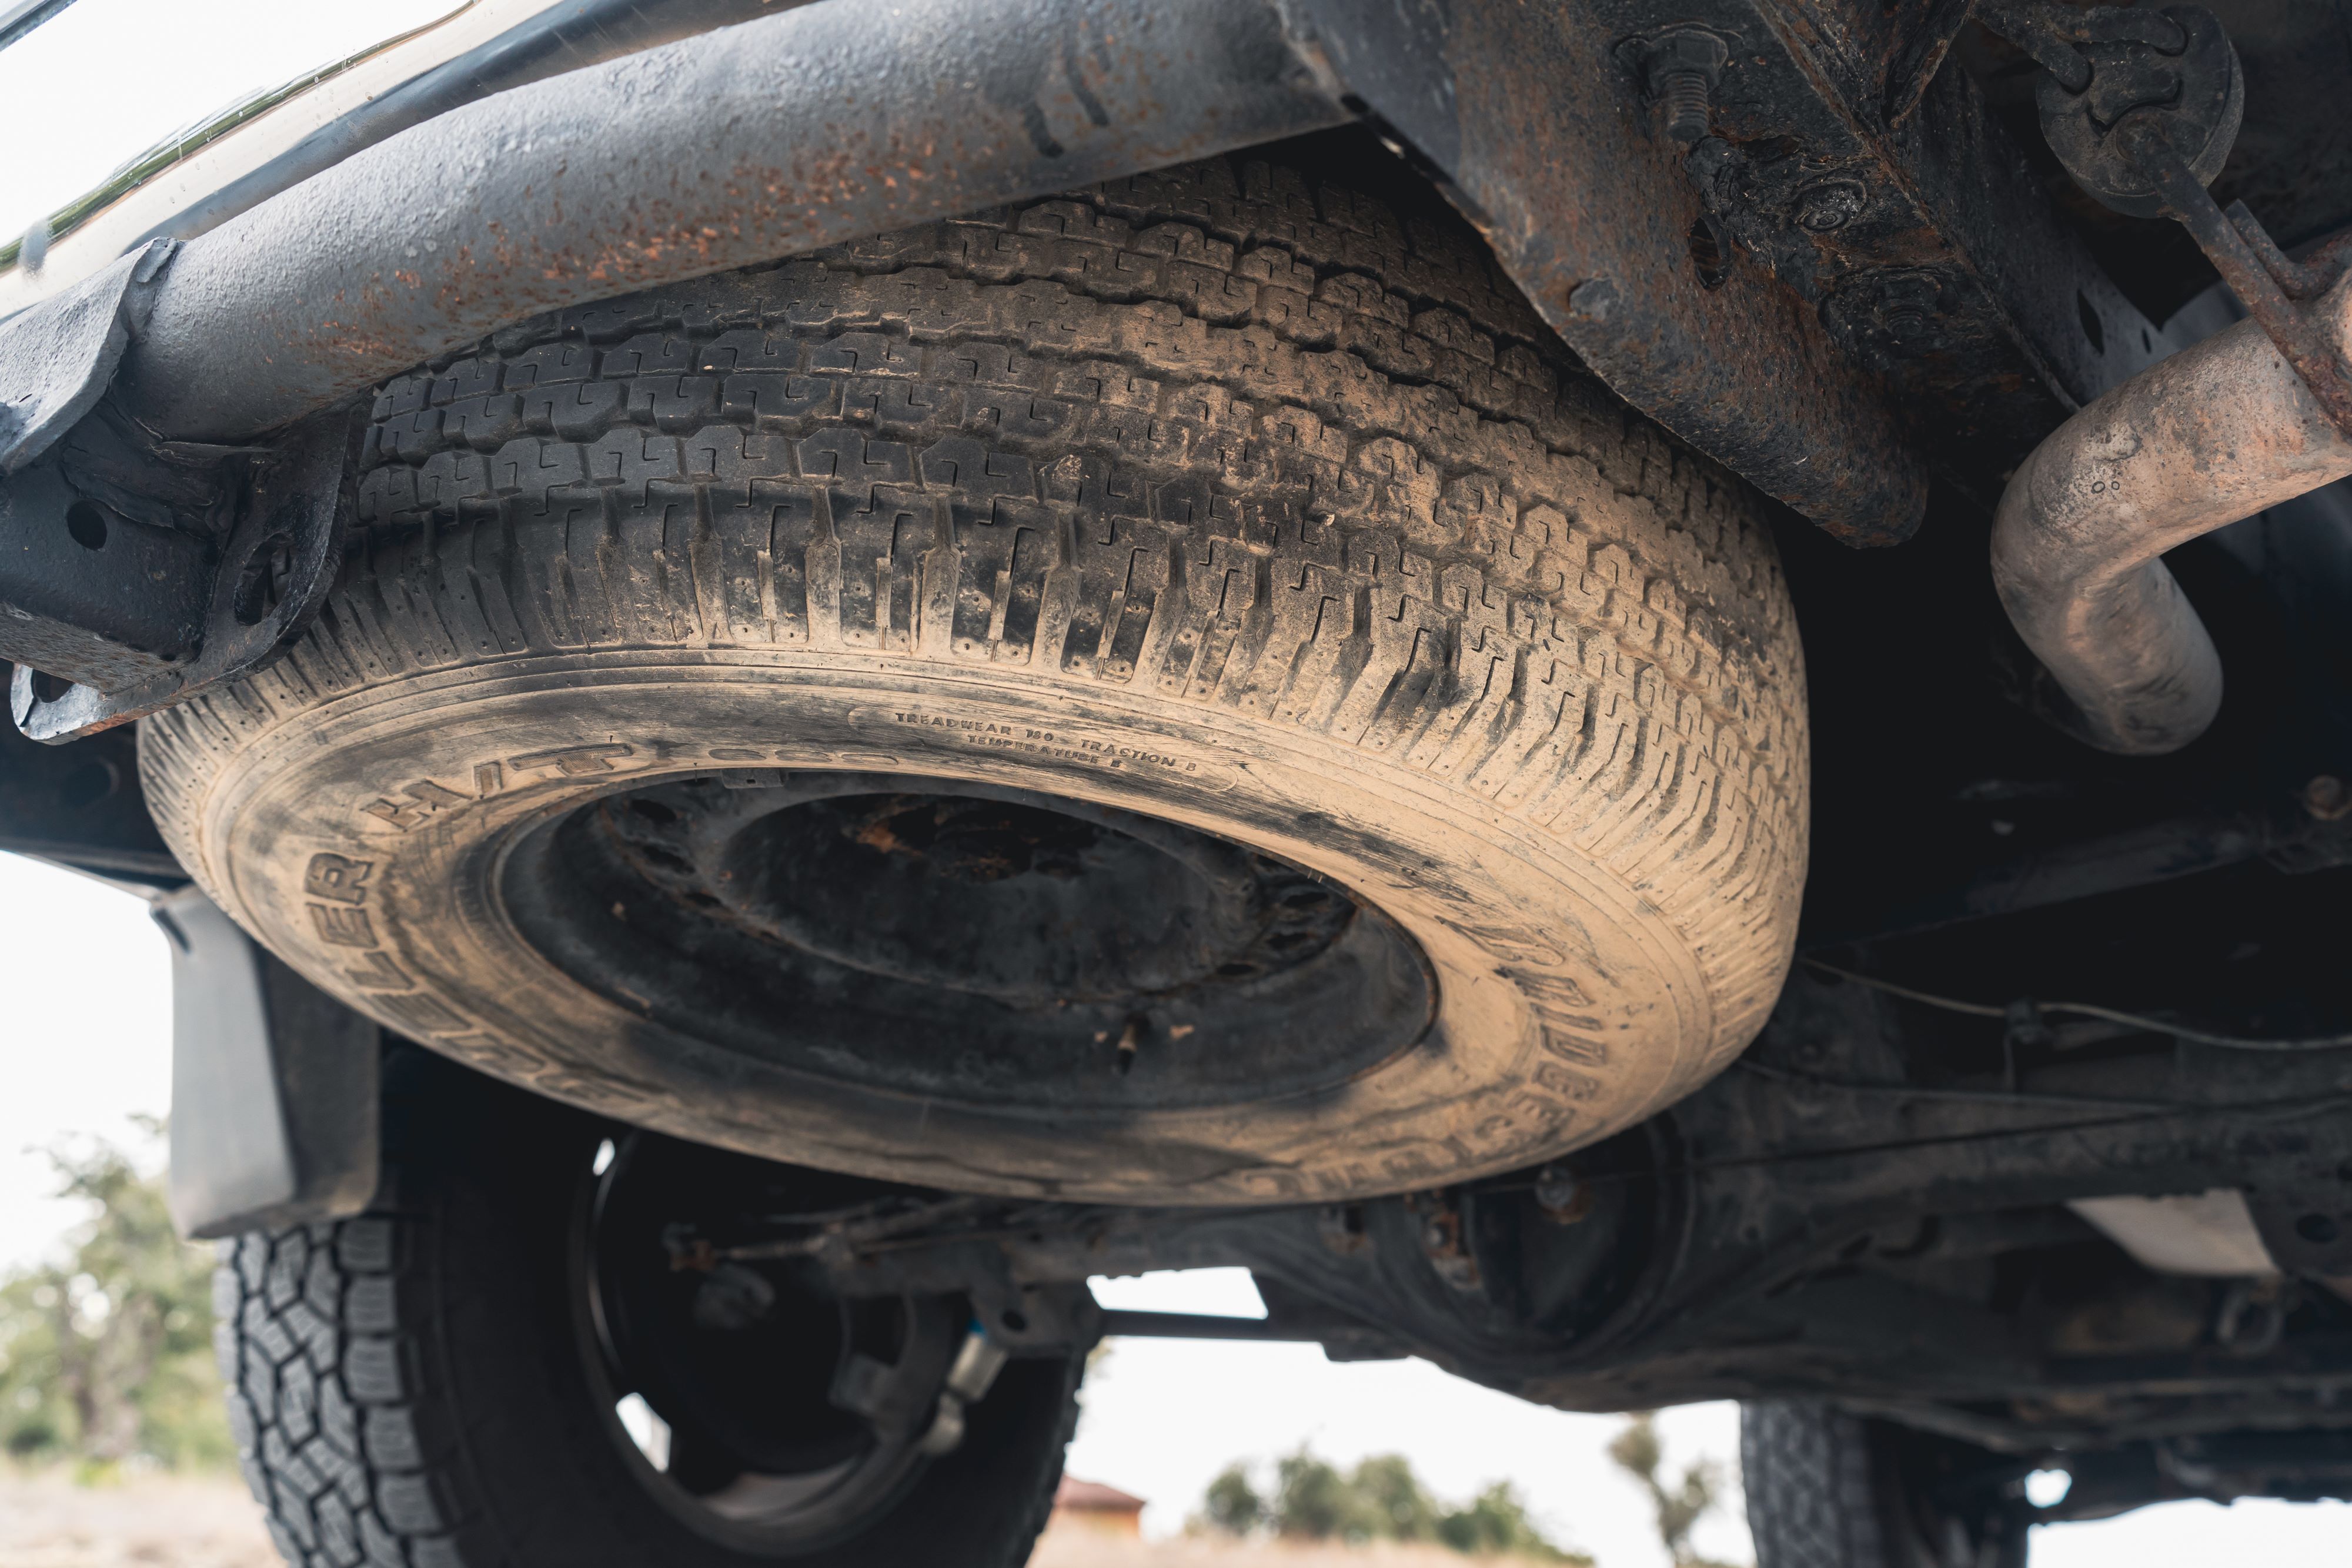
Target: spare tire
[[1181, 692]]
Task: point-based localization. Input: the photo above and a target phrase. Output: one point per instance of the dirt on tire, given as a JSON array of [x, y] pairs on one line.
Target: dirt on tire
[[1224, 497]]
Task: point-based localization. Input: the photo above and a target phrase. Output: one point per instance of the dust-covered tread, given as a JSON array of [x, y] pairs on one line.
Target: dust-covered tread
[[1216, 433]]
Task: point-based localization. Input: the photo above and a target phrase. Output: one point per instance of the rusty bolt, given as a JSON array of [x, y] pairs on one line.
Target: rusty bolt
[[1593, 299], [2328, 799], [1829, 204], [1343, 1230], [1681, 70], [1687, 97], [1894, 313], [1562, 1196]]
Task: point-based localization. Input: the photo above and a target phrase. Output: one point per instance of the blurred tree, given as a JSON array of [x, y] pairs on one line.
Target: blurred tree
[[1496, 1524], [1232, 1504], [1380, 1498], [108, 1355], [1313, 1502], [1394, 1496], [1681, 1503]]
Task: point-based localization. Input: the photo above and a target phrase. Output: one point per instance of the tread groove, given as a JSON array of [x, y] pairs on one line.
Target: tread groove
[[1214, 435]]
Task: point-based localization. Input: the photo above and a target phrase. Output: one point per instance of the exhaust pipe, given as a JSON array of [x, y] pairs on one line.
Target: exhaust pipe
[[2211, 435]]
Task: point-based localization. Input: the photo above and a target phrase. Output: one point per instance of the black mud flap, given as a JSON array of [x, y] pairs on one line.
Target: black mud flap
[[274, 1084]]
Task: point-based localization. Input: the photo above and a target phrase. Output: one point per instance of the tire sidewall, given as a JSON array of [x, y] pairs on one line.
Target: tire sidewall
[[364, 844]]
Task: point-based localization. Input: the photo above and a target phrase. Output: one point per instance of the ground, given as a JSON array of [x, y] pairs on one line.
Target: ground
[[170, 1521], [1090, 1549], [151, 1521]]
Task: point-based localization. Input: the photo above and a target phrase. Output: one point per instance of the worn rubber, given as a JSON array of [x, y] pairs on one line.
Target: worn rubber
[[1813, 1500], [1214, 495], [1826, 1490], [408, 1390]]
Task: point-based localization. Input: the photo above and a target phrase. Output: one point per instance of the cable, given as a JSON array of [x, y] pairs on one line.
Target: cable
[[1962, 1096], [2090, 1010], [2285, 1108], [1974, 1010]]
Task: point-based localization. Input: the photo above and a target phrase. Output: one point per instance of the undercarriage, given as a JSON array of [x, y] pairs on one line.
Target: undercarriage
[[1648, 701]]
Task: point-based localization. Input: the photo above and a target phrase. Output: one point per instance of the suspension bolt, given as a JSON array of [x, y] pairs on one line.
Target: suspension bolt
[[1681, 70], [1828, 206], [1562, 1196], [2326, 799]]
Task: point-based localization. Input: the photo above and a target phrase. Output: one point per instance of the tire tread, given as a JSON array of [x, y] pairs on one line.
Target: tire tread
[[364, 1448], [1274, 449], [319, 1403]]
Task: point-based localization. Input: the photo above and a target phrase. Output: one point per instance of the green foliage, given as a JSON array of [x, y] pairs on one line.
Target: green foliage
[[1313, 1502], [1380, 1500], [1496, 1524], [108, 1357], [1394, 1499], [1681, 1502], [1232, 1504]]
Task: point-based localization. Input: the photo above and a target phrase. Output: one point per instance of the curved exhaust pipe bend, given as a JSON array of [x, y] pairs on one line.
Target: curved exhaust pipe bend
[[2215, 433]]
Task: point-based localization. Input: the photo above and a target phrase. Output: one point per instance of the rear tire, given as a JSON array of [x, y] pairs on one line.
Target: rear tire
[[410, 1389], [1830, 1489]]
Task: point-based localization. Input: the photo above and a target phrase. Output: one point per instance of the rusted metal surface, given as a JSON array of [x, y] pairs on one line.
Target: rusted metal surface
[[576, 188], [565, 38], [84, 593], [1581, 191], [714, 152], [1905, 257], [2142, 107], [1923, 239], [61, 357], [1811, 207], [2217, 433], [2273, 288], [1849, 221], [2117, 71], [86, 597], [240, 601]]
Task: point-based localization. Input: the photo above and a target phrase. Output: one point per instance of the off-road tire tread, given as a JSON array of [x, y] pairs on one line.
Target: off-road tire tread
[[1547, 601], [1811, 1495], [318, 1362], [354, 1427]]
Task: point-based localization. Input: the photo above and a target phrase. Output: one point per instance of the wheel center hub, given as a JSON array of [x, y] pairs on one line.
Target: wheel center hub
[[994, 895], [970, 942]]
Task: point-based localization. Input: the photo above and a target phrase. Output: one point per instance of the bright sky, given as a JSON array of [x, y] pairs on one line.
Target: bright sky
[[85, 1043], [85, 1028], [168, 64]]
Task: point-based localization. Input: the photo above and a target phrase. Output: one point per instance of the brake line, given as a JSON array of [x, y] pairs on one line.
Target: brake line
[[2089, 1010]]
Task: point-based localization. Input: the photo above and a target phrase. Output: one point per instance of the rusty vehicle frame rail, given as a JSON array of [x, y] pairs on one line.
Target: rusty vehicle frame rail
[[1823, 207]]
